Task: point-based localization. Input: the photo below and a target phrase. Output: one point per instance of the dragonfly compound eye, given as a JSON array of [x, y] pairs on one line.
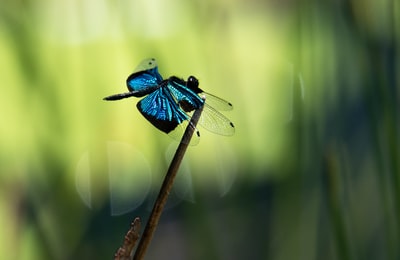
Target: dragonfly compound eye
[[192, 83]]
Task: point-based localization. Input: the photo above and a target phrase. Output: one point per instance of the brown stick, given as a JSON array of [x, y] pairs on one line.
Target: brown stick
[[166, 187], [131, 237]]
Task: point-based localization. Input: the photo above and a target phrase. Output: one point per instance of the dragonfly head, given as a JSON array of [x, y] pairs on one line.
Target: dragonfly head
[[193, 84]]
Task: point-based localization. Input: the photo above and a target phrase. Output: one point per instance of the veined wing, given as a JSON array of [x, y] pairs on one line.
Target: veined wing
[[160, 109], [216, 102], [215, 122], [146, 64], [179, 131], [145, 79]]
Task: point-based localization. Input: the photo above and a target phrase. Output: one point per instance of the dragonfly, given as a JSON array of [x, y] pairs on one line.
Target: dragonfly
[[169, 103]]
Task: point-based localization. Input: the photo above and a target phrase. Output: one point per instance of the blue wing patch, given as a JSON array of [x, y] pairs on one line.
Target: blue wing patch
[[144, 82], [160, 109]]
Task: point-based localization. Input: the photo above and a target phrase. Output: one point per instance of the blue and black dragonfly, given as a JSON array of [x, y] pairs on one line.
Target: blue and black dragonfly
[[170, 102]]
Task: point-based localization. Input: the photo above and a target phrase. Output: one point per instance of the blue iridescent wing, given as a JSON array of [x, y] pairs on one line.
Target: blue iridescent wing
[[185, 97], [145, 79], [160, 109]]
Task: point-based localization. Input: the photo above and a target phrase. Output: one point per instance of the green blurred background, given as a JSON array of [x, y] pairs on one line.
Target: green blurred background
[[311, 173]]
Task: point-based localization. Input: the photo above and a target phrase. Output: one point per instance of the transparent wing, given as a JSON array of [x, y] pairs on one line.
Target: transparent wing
[[146, 64], [216, 102], [215, 122], [178, 132]]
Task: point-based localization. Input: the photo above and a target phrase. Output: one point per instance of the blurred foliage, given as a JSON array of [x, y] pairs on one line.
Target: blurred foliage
[[311, 173]]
